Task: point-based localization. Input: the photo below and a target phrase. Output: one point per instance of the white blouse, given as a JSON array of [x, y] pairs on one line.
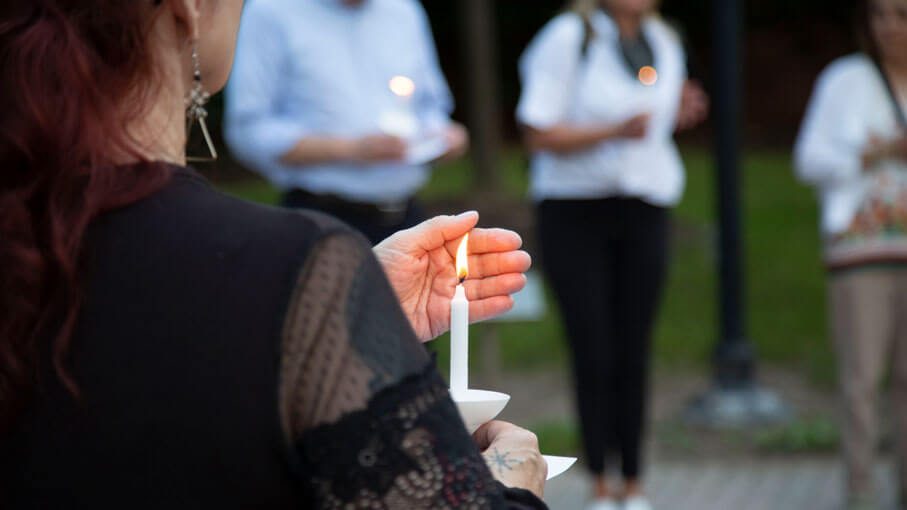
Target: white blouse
[[849, 104], [562, 86]]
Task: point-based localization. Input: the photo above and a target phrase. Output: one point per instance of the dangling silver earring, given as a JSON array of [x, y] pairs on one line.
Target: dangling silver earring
[[195, 109]]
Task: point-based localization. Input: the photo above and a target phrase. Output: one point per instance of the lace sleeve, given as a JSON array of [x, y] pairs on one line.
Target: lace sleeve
[[369, 416]]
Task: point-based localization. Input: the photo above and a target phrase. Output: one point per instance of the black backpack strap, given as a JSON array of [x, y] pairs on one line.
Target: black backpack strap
[[898, 110], [588, 34]]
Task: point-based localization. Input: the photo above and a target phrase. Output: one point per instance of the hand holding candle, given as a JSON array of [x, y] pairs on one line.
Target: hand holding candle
[[424, 262]]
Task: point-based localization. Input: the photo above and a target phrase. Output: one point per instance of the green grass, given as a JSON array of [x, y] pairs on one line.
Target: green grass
[[804, 436], [558, 438], [785, 282], [814, 435], [254, 189]]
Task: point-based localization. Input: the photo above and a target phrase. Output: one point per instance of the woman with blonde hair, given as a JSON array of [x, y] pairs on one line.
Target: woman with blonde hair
[[604, 89]]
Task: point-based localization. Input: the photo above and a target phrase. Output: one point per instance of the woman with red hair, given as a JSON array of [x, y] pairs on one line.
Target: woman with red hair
[[161, 343]]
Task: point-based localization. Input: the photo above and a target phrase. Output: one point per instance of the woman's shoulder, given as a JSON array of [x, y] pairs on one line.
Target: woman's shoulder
[[188, 221], [564, 29], [853, 70], [560, 37], [663, 28], [410, 9], [217, 213]]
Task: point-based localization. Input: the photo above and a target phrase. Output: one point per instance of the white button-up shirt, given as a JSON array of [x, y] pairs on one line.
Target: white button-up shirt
[[849, 104], [320, 68], [562, 86]]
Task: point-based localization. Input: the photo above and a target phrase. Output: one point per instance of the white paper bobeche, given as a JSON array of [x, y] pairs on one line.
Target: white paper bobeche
[[478, 407]]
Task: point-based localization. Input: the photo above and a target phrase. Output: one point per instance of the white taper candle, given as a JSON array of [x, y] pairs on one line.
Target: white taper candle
[[459, 341]]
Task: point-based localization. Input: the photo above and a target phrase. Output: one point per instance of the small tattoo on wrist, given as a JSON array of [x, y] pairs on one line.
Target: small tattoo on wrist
[[500, 462]]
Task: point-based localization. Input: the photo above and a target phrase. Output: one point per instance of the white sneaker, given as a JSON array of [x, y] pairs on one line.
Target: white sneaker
[[602, 504], [637, 503]]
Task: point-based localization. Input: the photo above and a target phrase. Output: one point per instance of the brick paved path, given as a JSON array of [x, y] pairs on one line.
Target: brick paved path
[[758, 485]]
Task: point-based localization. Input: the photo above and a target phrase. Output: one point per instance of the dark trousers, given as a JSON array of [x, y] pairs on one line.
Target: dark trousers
[[606, 260], [374, 223]]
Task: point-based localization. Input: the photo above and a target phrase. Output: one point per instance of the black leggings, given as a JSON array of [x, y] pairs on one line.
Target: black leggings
[[606, 260]]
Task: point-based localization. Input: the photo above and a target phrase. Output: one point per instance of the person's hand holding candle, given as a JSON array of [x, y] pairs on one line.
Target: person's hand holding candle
[[420, 264]]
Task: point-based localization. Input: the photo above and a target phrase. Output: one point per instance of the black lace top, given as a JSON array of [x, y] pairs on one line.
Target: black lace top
[[232, 356], [373, 423]]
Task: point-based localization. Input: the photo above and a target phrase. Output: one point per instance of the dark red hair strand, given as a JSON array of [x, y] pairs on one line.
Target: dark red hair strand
[[68, 69]]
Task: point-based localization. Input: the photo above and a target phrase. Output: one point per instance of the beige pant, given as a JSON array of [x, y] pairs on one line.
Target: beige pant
[[869, 319]]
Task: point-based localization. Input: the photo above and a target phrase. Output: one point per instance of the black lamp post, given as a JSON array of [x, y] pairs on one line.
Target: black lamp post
[[735, 398], [483, 101], [734, 358]]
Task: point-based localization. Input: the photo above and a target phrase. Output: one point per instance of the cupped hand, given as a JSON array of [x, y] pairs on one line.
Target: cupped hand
[[420, 264]]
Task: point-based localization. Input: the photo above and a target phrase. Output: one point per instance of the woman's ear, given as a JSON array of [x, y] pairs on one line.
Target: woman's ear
[[187, 14]]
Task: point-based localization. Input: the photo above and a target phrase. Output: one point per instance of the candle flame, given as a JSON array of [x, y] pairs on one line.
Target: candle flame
[[402, 86], [648, 75], [462, 256]]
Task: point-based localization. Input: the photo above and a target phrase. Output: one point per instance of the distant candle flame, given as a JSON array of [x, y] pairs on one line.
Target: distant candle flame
[[462, 256], [648, 75], [402, 86]]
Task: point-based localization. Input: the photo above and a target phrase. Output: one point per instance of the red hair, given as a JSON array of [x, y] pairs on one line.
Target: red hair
[[68, 69]]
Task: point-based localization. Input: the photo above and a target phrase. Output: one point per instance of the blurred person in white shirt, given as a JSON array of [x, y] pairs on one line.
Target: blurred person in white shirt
[[853, 148], [605, 88], [309, 98]]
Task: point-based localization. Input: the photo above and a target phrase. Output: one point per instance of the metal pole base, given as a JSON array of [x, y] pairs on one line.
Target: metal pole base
[[737, 407]]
